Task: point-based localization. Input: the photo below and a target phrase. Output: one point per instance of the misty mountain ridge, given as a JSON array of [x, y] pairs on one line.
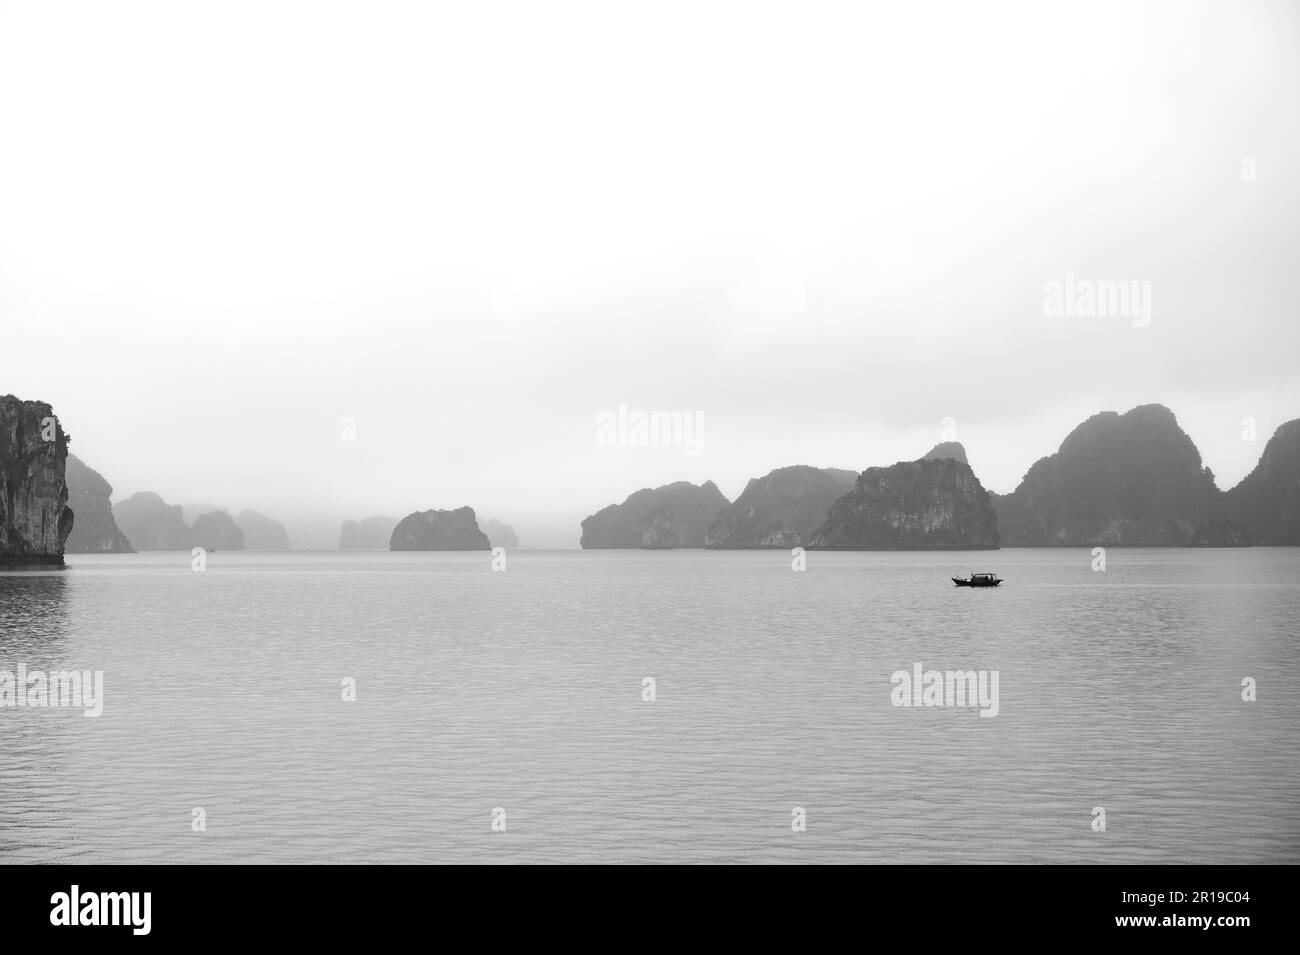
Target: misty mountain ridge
[[780, 509], [649, 517], [149, 523], [94, 531], [933, 503], [1130, 479], [261, 532]]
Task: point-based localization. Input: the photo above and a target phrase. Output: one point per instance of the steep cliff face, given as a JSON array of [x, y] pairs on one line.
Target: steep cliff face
[[35, 519], [150, 524], [371, 533], [659, 530], [930, 504], [261, 532], [89, 496], [620, 525], [439, 530], [1130, 479], [216, 531], [780, 509], [501, 535], [1267, 501]]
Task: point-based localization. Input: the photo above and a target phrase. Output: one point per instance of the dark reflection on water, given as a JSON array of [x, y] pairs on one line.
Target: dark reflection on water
[[40, 797], [33, 613]]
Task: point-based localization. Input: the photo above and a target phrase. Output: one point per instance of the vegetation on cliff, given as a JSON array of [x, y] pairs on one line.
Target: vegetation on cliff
[[934, 503]]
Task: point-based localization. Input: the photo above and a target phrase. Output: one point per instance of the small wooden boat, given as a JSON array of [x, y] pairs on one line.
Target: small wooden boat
[[978, 580]]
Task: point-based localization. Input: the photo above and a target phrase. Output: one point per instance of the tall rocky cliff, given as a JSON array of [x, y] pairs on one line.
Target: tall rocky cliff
[[89, 496], [1267, 501], [935, 503], [35, 519], [640, 521], [1130, 479], [439, 530], [780, 509]]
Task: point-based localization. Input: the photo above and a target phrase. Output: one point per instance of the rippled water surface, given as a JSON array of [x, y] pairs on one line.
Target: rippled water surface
[[523, 690]]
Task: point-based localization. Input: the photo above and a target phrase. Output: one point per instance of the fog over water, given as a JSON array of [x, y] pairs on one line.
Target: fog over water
[[469, 231]]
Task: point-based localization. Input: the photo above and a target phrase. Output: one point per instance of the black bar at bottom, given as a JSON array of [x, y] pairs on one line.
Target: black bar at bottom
[[910, 904]]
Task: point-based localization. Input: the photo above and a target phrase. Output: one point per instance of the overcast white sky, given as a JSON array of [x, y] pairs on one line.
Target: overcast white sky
[[472, 227]]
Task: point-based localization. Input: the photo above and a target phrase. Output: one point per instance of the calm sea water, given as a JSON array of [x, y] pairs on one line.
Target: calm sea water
[[522, 691]]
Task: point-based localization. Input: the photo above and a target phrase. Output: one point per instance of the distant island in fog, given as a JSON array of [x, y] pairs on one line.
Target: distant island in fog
[[1131, 479]]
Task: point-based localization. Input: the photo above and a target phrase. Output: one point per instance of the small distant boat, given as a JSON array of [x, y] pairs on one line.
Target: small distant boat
[[978, 580]]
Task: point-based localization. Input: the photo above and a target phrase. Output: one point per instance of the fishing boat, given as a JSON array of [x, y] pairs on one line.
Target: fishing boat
[[978, 580]]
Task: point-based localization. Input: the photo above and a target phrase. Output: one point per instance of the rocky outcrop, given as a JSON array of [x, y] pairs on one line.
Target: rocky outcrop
[[947, 449], [659, 530], [693, 508], [930, 504], [1130, 479], [780, 509], [151, 524], [439, 530], [215, 531], [89, 495], [501, 535], [261, 532], [35, 520], [372, 533], [1267, 501]]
